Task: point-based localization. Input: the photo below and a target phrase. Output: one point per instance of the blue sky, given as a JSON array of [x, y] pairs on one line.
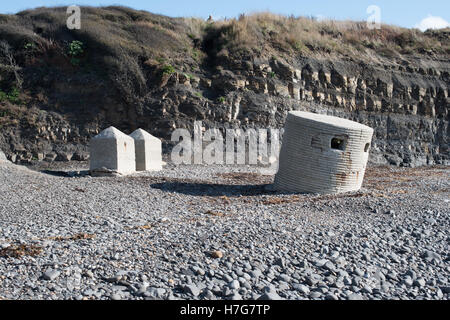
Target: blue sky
[[399, 12]]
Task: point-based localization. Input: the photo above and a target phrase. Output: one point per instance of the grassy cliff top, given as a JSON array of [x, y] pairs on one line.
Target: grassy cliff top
[[125, 45], [115, 31]]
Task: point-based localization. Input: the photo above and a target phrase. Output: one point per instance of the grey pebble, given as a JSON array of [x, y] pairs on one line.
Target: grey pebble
[[192, 289], [51, 274]]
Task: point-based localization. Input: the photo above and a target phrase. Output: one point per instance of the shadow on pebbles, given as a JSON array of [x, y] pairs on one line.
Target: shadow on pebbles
[[218, 232]]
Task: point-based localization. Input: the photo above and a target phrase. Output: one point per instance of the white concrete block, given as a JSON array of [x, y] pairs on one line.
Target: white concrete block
[[322, 154], [2, 156], [113, 150], [148, 151]]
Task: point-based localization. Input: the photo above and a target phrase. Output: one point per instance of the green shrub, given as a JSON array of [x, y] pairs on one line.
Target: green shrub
[[196, 54], [160, 60], [12, 96], [75, 61], [75, 51], [168, 69], [299, 46], [29, 46], [221, 99], [76, 48]]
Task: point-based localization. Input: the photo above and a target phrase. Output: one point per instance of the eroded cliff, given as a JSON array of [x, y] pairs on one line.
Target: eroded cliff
[[166, 73]]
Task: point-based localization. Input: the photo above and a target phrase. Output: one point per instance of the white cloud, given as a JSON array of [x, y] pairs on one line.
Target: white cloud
[[321, 17], [432, 22]]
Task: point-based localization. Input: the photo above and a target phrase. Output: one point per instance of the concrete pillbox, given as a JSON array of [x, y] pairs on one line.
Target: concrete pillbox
[[322, 154]]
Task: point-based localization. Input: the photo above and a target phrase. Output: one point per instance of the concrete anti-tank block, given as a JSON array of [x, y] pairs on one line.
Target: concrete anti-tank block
[[2, 156], [148, 151], [112, 151]]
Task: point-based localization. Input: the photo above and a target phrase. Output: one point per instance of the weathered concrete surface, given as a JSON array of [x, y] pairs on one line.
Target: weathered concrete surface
[[112, 151], [322, 154], [148, 151], [2, 156]]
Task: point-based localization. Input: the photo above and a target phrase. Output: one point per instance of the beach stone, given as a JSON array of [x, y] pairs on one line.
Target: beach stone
[[51, 274], [301, 288], [354, 296], [234, 284], [192, 289], [270, 296], [217, 254], [420, 282]]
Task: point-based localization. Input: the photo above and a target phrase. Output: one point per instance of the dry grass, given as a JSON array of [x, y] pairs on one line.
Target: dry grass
[[127, 48], [266, 31], [214, 213], [145, 35], [277, 200], [143, 227], [394, 181], [245, 178], [17, 251], [78, 236]]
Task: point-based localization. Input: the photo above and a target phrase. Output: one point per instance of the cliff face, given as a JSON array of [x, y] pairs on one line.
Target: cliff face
[[402, 95], [406, 104]]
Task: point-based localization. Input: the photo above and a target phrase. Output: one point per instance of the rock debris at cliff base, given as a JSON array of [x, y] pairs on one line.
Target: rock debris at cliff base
[[217, 232]]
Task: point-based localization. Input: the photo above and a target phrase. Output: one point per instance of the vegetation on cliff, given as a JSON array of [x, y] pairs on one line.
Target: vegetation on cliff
[[133, 69], [121, 44]]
